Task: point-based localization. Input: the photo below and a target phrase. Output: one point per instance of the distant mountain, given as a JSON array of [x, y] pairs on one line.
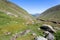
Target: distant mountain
[[35, 15], [52, 14]]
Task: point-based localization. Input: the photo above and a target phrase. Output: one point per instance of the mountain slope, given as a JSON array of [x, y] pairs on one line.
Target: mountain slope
[[52, 14], [52, 17], [13, 19]]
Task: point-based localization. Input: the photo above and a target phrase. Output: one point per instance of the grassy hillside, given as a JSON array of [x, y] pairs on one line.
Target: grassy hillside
[[51, 14], [14, 19], [52, 17]]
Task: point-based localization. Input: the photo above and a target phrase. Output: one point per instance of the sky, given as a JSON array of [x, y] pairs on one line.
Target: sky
[[36, 6]]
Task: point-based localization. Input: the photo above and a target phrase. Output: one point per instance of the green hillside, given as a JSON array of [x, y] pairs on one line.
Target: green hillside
[[14, 19], [51, 17], [52, 14]]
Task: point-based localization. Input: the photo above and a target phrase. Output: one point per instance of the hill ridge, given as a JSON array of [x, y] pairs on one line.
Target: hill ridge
[[51, 14]]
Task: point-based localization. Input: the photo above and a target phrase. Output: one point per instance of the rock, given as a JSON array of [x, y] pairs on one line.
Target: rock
[[16, 15], [40, 38], [7, 33], [38, 28], [34, 34], [47, 28]]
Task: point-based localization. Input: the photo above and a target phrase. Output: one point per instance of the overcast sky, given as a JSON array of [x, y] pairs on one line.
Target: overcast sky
[[36, 6]]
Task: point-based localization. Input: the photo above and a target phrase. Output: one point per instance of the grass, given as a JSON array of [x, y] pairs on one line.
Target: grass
[[15, 28], [26, 37], [14, 24], [57, 35]]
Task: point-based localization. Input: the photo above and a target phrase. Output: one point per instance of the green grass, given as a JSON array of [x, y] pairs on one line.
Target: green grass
[[14, 24], [26, 37], [57, 35]]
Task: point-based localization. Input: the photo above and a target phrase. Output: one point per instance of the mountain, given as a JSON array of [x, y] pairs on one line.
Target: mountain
[[52, 17], [51, 14], [36, 15], [13, 19]]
